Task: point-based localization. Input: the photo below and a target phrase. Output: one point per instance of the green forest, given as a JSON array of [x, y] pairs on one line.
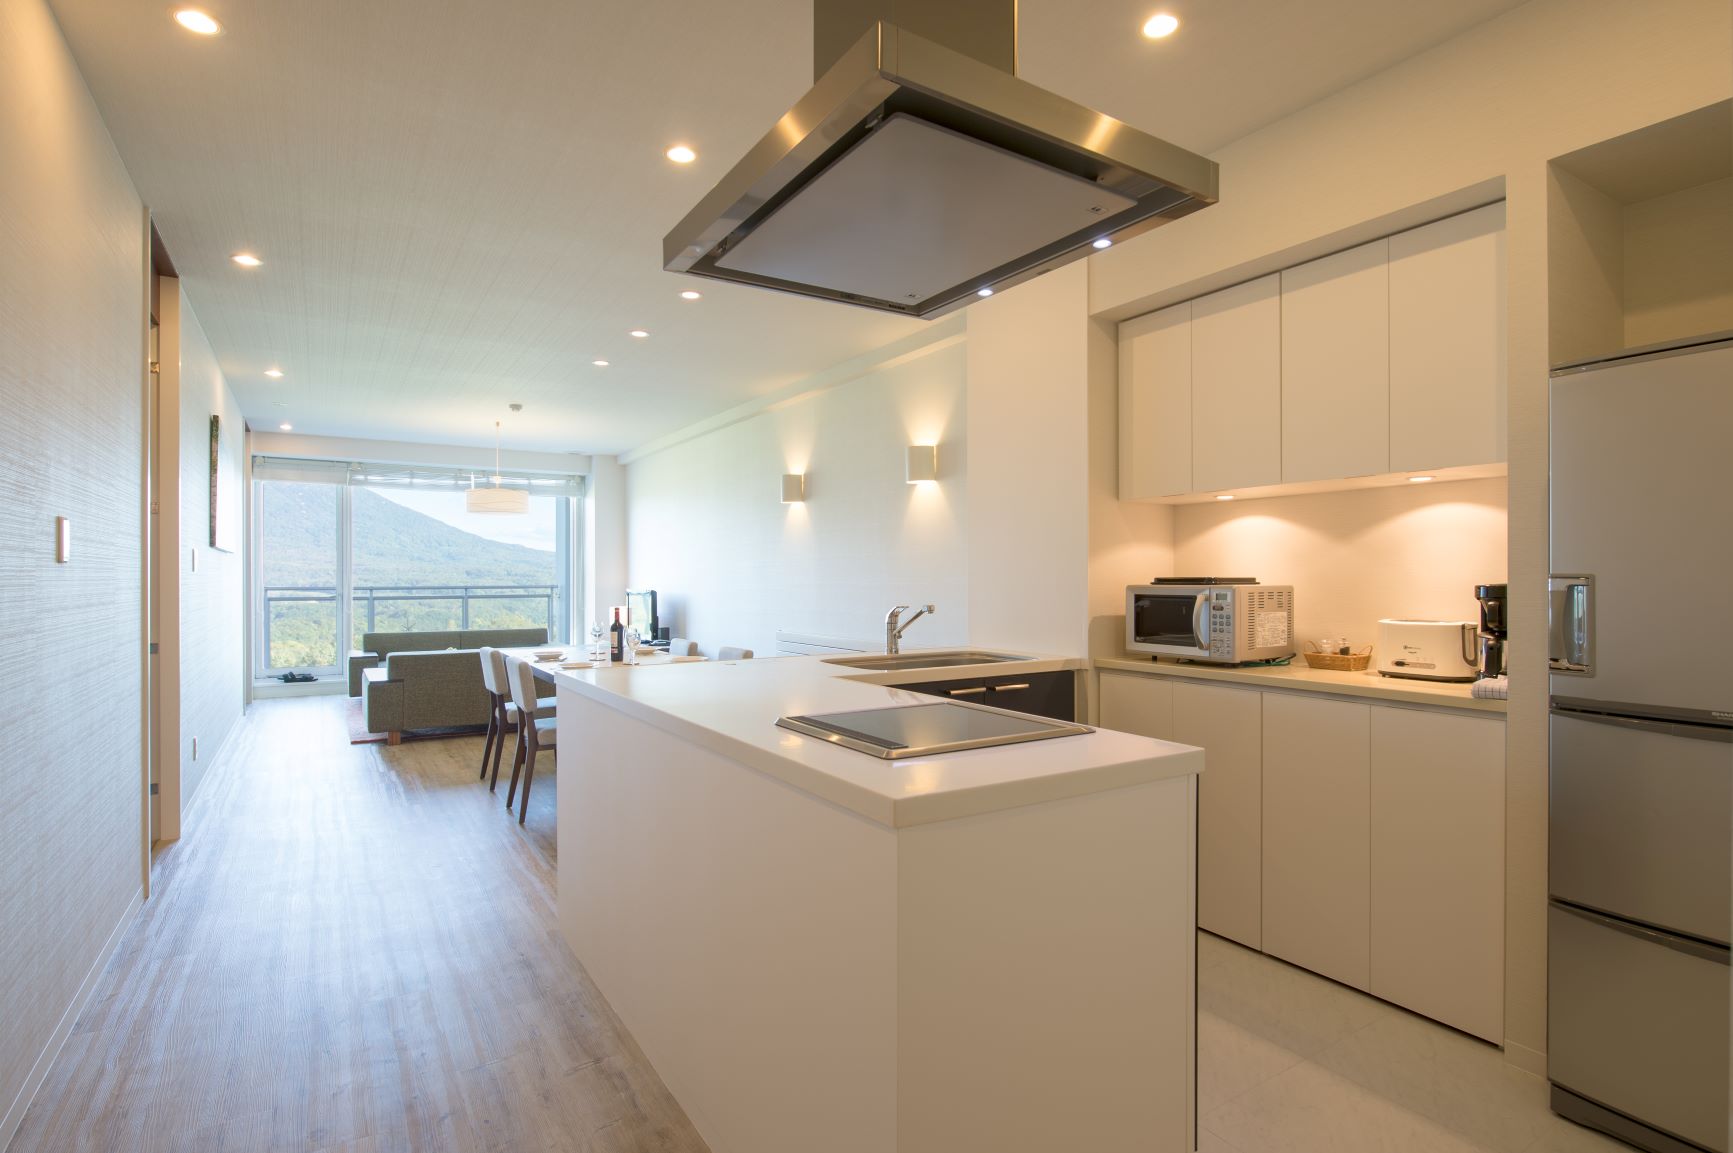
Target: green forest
[[396, 548]]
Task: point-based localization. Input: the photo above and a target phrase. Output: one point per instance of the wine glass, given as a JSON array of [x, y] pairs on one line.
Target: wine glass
[[596, 631], [632, 639]]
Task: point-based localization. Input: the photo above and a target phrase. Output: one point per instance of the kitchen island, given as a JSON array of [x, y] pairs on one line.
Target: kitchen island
[[822, 950]]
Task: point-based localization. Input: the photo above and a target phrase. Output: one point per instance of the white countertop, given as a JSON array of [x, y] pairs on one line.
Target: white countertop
[[731, 707], [1300, 677]]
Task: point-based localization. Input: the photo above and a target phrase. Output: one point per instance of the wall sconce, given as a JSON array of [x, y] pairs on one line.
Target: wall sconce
[[793, 488], [923, 463]]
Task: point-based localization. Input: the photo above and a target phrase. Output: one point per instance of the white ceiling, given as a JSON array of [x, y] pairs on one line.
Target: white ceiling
[[460, 203]]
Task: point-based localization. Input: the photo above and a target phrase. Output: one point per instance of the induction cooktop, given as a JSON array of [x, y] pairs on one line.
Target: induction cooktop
[[928, 729]]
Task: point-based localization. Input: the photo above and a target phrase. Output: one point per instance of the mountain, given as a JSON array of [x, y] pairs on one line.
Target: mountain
[[394, 545]]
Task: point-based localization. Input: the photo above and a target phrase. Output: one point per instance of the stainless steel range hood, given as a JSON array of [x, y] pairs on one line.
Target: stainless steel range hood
[[917, 173]]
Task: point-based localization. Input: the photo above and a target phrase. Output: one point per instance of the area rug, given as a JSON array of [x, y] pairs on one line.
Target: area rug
[[358, 734]]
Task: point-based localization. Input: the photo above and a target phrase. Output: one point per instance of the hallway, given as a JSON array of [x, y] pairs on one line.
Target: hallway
[[353, 948]]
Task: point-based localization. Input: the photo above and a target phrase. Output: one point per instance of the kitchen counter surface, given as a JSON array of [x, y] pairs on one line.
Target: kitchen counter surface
[[1300, 677], [731, 707]]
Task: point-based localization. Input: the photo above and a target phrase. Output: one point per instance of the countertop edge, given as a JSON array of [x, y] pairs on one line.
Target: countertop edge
[[1293, 679]]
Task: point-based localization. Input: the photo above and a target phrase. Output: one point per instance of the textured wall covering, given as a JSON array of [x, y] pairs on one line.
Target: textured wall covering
[[72, 269], [211, 597]]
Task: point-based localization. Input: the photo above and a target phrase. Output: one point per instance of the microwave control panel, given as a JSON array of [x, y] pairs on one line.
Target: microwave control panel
[[1221, 624]]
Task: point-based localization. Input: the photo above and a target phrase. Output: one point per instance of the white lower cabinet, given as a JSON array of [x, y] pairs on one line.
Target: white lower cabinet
[[1437, 824], [1132, 703], [1226, 724], [1361, 841], [1316, 835]]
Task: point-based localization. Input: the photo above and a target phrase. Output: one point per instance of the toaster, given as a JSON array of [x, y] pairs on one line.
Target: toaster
[[1428, 650]]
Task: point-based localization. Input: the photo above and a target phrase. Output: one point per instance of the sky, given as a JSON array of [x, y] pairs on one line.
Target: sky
[[533, 530]]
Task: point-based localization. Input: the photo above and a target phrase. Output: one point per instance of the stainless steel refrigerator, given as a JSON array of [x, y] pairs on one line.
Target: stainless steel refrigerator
[[1640, 844]]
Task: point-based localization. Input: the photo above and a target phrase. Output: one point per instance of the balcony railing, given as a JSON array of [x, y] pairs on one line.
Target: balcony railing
[[409, 608]]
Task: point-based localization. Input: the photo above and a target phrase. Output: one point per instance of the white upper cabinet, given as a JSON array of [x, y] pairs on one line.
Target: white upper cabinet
[[1336, 366], [1447, 342], [1236, 386], [1155, 404]]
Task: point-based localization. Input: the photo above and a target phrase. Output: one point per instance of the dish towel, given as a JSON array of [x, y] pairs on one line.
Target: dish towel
[[1493, 688]]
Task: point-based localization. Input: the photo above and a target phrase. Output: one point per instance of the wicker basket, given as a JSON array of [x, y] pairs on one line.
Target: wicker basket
[[1353, 662]]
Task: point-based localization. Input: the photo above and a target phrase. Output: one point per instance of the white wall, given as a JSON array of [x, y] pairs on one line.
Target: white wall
[[1028, 484], [1488, 108], [605, 535], [733, 566], [212, 596], [1416, 550], [73, 317], [1678, 264]]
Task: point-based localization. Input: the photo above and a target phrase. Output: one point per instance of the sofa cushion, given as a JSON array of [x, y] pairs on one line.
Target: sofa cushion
[[384, 644], [502, 638]]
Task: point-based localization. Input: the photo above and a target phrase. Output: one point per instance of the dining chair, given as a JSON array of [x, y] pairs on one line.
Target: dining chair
[[730, 653], [681, 647], [535, 731], [504, 716]]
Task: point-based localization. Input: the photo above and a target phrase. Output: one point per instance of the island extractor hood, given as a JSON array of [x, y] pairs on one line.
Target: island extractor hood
[[919, 172]]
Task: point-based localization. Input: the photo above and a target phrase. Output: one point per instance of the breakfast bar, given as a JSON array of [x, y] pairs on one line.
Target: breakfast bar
[[822, 949]]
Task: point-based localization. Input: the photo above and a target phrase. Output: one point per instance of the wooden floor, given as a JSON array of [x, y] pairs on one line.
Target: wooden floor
[[352, 948]]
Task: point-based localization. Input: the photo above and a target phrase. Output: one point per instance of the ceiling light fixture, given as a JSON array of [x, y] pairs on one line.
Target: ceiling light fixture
[[496, 501], [1160, 26], [690, 295], [246, 260], [599, 363], [286, 427], [274, 373], [680, 154], [195, 21], [639, 333], [1104, 242]]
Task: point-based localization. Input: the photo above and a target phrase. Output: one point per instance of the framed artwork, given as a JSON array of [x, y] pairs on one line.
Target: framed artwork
[[225, 483]]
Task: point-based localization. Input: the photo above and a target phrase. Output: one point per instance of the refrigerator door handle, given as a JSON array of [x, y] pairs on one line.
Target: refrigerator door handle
[[1687, 945], [1570, 623], [1586, 710]]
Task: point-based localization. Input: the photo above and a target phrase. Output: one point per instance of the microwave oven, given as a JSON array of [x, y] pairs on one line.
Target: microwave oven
[[1226, 621]]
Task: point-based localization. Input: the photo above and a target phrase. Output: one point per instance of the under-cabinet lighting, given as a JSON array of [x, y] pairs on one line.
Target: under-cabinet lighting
[[1225, 496], [690, 295], [1421, 479], [1160, 26], [1103, 242], [985, 292], [202, 23]]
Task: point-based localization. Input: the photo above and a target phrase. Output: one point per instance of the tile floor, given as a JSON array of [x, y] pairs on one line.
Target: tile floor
[[1289, 1062]]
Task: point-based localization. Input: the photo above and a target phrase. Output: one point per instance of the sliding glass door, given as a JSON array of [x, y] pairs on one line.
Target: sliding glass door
[[355, 549]]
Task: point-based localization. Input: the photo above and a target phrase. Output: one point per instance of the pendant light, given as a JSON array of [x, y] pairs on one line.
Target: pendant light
[[496, 501]]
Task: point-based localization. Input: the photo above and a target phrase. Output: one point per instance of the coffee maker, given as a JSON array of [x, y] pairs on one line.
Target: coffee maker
[[1492, 629]]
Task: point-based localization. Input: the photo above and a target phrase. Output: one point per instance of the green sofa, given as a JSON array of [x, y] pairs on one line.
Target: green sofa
[[423, 687]]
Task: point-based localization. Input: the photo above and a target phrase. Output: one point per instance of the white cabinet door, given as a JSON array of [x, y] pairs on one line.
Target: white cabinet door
[[1155, 404], [1336, 366], [1316, 837], [1447, 342], [1438, 866], [1133, 703], [1236, 386], [1225, 724]]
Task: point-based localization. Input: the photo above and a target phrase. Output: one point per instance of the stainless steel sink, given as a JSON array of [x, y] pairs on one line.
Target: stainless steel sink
[[933, 660]]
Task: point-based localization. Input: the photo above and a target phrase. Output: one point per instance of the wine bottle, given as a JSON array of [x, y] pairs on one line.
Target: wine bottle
[[616, 640]]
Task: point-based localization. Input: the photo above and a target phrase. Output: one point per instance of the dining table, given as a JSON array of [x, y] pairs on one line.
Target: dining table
[[545, 670]]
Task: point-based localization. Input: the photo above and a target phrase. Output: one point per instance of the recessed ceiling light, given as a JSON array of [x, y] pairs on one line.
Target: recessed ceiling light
[[639, 333], [281, 403], [680, 154], [985, 292], [274, 373], [690, 295], [1103, 242], [1225, 496], [1420, 479], [1160, 25], [246, 260], [195, 21], [599, 363], [286, 427]]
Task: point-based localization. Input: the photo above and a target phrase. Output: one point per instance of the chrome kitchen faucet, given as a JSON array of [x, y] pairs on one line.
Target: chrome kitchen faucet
[[894, 632]]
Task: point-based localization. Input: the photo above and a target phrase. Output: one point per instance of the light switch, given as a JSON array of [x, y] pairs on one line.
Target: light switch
[[62, 540]]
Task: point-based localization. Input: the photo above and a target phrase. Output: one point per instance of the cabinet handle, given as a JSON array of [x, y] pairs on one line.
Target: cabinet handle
[[969, 692], [1008, 688]]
